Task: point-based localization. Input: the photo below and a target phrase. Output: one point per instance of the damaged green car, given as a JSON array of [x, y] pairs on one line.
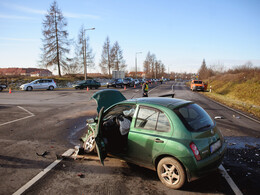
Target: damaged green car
[[174, 137]]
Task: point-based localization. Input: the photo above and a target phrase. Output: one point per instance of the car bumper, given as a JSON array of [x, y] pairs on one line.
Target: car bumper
[[201, 168], [23, 88]]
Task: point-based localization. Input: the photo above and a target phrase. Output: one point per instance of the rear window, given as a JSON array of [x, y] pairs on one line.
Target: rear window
[[195, 118]]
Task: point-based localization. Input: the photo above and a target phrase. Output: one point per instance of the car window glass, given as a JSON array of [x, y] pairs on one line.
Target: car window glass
[[194, 117], [118, 110], [146, 118], [163, 123]]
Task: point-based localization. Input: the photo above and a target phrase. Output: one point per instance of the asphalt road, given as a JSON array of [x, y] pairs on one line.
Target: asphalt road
[[50, 122]]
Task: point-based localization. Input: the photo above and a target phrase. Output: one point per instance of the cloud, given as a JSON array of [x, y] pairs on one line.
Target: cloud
[[3, 16], [17, 39], [42, 12], [77, 16], [24, 9]]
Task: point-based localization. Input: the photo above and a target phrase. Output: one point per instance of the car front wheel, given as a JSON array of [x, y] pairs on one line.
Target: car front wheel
[[51, 88], [171, 173], [29, 88], [89, 145]]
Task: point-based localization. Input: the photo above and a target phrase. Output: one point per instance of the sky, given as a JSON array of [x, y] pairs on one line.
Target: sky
[[181, 33]]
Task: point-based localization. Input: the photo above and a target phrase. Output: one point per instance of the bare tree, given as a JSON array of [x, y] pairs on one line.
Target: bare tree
[[55, 42], [118, 62], [146, 64], [83, 49], [106, 64]]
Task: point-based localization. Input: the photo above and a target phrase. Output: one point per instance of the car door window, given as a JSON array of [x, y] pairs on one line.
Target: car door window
[[163, 123], [147, 118], [152, 119]]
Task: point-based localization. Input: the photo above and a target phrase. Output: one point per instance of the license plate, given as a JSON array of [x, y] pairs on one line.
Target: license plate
[[215, 146]]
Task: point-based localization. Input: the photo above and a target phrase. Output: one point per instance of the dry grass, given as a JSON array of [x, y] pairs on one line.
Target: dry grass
[[240, 90]]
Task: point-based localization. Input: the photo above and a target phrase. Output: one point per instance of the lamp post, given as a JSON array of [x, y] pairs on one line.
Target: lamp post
[[85, 52], [136, 63]]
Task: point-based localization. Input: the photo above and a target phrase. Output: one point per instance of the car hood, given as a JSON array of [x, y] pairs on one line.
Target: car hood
[[107, 97]]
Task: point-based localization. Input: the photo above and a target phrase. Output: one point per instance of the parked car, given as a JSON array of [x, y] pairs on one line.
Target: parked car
[[137, 82], [128, 81], [48, 84], [3, 84], [115, 83], [90, 83], [175, 137]]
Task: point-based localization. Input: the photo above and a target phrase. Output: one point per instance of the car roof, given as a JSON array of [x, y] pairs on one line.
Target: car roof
[[170, 103]]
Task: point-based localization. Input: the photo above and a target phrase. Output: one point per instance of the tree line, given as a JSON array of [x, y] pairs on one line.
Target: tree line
[[57, 46]]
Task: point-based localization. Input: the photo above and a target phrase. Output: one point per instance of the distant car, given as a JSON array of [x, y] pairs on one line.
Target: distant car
[[115, 83], [137, 82], [48, 84], [141, 81], [175, 137], [197, 85], [128, 81], [89, 83], [3, 84]]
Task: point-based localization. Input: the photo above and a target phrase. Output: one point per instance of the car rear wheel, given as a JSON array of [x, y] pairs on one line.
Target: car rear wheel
[[29, 88], [171, 173], [89, 145]]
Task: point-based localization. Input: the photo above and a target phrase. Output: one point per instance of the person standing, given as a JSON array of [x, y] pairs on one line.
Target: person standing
[[145, 89]]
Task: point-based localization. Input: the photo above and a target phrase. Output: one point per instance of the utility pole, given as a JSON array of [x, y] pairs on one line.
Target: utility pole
[[136, 63], [84, 47]]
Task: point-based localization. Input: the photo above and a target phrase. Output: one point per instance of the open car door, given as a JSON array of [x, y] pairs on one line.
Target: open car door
[[107, 97], [100, 144]]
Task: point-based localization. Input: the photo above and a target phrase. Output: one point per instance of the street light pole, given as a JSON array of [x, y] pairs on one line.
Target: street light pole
[[136, 63], [84, 46]]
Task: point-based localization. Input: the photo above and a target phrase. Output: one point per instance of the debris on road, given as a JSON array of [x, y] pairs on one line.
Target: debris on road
[[81, 175], [219, 117], [234, 116], [43, 154]]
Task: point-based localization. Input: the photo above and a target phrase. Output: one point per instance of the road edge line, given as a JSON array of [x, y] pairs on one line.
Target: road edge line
[[234, 110], [229, 180], [25, 187]]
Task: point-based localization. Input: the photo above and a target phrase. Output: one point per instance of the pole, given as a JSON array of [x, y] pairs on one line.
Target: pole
[[135, 66], [136, 63]]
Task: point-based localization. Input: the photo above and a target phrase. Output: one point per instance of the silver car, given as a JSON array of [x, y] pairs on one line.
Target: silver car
[[48, 84]]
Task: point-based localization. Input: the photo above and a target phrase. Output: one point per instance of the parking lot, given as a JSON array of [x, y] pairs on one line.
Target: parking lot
[[35, 122]]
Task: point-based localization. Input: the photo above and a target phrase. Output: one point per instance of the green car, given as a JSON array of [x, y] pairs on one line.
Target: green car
[[175, 137], [90, 83]]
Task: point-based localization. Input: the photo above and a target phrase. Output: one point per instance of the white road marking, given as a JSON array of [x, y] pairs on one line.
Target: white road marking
[[229, 180], [235, 110], [31, 115], [42, 173]]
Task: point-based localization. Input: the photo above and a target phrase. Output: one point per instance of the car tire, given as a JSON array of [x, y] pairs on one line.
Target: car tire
[[29, 88], [107, 86], [1, 89], [89, 145], [51, 88], [171, 173], [96, 87]]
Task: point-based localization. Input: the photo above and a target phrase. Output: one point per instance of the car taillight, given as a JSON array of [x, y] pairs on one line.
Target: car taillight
[[195, 151]]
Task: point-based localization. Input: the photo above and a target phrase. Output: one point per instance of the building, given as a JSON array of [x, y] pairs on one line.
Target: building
[[33, 72]]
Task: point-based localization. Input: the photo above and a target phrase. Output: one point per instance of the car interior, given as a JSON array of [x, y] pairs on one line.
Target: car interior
[[115, 127]]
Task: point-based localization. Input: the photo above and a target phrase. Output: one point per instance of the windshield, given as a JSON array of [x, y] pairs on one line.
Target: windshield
[[81, 82], [194, 118], [198, 82]]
